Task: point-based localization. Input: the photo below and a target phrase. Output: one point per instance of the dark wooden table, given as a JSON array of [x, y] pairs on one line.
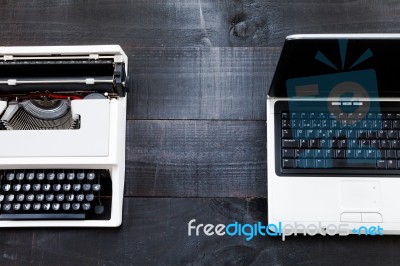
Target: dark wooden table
[[196, 127]]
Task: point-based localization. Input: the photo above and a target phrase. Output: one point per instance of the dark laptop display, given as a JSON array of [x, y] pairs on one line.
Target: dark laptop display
[[335, 120]]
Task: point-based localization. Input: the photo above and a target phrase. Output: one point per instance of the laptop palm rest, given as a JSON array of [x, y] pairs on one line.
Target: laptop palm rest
[[360, 201], [360, 195]]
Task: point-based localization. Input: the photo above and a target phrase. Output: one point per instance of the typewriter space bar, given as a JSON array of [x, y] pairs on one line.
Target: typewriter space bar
[[42, 216]]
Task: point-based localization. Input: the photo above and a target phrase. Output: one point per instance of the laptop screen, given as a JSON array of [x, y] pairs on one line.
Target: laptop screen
[[315, 67]]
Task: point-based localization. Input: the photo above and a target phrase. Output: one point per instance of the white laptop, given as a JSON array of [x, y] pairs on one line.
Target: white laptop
[[62, 135], [333, 135]]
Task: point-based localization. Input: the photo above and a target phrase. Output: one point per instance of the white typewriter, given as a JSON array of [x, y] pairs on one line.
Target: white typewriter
[[62, 135]]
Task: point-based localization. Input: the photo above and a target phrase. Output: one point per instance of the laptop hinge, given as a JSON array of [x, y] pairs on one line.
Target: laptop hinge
[[8, 57], [93, 56]]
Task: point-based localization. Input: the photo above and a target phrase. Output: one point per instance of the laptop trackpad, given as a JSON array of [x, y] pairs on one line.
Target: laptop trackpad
[[360, 195]]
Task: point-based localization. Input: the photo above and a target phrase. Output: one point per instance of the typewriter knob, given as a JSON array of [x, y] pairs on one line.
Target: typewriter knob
[[99, 209]]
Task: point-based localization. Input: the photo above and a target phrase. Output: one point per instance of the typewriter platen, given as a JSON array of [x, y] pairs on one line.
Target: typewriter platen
[[62, 135]]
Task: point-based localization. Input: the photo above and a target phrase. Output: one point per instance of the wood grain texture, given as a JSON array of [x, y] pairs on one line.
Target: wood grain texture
[[155, 232], [207, 83], [170, 158], [190, 23]]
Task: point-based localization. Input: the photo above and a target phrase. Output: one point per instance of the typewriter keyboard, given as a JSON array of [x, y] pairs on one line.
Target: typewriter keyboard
[[56, 194]]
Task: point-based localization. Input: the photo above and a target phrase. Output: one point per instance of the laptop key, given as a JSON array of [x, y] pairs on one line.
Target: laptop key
[[328, 153], [350, 154], [286, 123], [343, 143], [387, 124], [304, 143], [390, 154], [310, 163], [375, 143], [316, 123], [359, 153], [353, 144], [311, 133], [320, 163], [290, 143], [329, 133], [305, 123], [389, 116], [298, 153], [395, 144], [364, 143], [341, 133], [351, 133], [287, 153], [303, 115], [288, 163], [385, 144], [286, 133], [309, 153], [376, 124], [392, 134], [362, 164], [370, 154], [335, 143], [301, 163], [300, 133], [392, 164], [322, 115], [366, 124], [382, 134], [372, 134], [324, 123], [341, 154], [314, 143], [381, 164], [318, 153]]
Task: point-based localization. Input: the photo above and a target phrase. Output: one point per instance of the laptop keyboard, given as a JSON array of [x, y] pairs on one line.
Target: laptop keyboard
[[340, 141]]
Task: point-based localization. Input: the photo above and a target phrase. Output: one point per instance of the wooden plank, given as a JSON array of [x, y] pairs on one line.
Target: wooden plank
[[155, 232], [268, 22], [130, 23], [169, 158], [190, 83], [199, 23]]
